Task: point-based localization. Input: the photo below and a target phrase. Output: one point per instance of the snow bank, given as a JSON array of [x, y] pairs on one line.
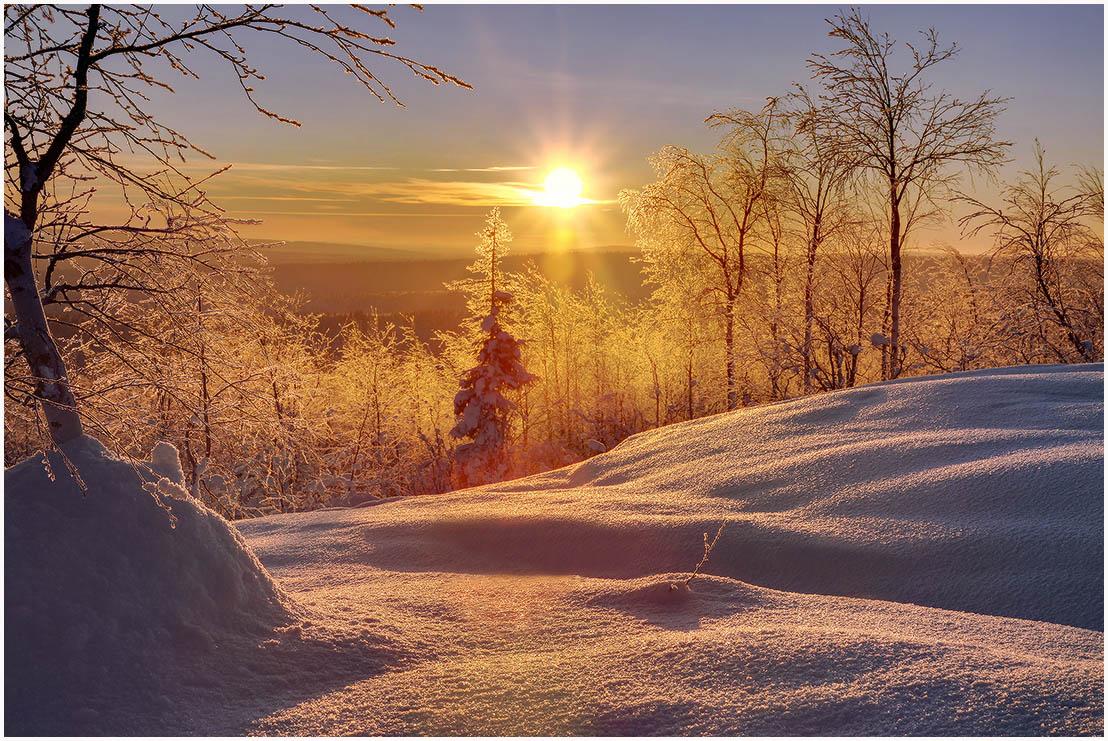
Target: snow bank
[[542, 606], [123, 602], [524, 656]]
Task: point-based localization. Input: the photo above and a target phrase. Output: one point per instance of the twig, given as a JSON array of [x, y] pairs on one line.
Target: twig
[[708, 546]]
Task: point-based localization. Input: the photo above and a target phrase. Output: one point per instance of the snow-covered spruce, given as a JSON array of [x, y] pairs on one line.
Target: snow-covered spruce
[[481, 405]]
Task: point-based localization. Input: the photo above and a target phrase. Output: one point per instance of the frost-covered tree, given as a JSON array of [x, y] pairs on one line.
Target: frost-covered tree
[[706, 209], [1047, 233], [816, 170], [77, 83], [481, 406], [883, 111], [486, 271], [958, 318], [390, 413]]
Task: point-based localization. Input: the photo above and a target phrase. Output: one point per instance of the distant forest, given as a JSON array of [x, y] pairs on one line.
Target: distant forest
[[415, 290]]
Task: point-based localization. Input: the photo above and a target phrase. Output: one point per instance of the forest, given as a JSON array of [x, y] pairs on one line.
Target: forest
[[782, 263]]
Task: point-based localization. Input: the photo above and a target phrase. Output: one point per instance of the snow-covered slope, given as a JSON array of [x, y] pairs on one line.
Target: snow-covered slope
[[918, 557], [980, 492], [131, 609]]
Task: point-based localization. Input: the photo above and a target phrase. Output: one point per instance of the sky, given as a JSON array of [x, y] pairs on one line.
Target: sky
[[594, 88]]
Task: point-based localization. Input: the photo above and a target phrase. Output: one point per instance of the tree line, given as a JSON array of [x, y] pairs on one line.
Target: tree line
[[776, 263]]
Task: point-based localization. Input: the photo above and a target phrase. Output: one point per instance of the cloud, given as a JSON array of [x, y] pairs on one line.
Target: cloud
[[324, 184], [449, 192], [413, 191], [348, 214], [276, 166], [494, 168], [282, 198], [295, 166]]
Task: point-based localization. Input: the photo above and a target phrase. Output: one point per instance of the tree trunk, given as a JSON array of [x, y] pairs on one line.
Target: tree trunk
[[729, 354], [688, 388], [859, 339], [205, 395], [51, 380], [44, 360], [809, 309], [894, 290], [775, 326], [1060, 313]]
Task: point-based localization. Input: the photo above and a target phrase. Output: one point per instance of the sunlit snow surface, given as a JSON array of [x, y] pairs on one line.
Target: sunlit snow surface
[[921, 557]]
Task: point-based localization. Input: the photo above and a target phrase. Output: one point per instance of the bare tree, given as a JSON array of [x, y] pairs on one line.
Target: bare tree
[[752, 159], [776, 234], [846, 297], [77, 85], [896, 126], [817, 172], [710, 203], [1045, 229]]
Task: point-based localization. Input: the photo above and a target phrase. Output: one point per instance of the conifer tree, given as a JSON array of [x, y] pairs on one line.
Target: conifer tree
[[481, 407]]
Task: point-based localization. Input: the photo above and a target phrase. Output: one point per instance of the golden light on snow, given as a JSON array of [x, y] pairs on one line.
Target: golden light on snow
[[561, 189]]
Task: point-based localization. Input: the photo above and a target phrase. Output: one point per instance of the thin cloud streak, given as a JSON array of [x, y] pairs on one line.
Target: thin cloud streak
[[283, 198], [494, 168], [353, 214]]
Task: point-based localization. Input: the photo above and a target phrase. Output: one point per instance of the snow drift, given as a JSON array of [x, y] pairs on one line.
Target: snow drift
[[979, 492], [542, 606], [124, 596], [918, 557]]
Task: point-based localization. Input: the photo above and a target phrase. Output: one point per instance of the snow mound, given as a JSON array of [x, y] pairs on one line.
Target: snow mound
[[126, 599], [932, 534], [527, 656], [979, 492]]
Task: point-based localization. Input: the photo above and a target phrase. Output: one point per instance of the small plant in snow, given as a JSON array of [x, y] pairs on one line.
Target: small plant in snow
[[708, 546]]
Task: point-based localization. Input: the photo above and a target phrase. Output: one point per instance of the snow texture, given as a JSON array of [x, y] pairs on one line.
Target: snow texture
[[915, 557], [133, 609], [15, 231]]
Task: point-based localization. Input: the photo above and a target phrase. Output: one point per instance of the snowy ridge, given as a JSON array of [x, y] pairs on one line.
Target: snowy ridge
[[978, 492], [917, 557]]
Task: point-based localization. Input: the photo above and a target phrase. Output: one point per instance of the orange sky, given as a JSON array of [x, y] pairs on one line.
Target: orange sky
[[594, 88]]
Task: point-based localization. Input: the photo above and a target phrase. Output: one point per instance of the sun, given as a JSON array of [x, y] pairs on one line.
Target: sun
[[561, 189]]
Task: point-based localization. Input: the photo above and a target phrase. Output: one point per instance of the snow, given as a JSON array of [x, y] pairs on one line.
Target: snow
[[15, 231], [915, 557], [106, 589]]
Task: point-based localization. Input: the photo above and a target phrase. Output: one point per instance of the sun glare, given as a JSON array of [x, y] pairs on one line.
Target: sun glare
[[561, 189]]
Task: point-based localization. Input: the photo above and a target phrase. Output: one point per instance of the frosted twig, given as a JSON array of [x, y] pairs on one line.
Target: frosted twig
[[708, 546]]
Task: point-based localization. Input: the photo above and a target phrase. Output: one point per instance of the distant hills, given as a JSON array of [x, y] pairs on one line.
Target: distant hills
[[347, 282], [337, 252], [414, 286], [316, 252]]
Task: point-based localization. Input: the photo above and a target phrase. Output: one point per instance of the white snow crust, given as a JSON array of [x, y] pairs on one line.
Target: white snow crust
[[915, 557], [132, 609]]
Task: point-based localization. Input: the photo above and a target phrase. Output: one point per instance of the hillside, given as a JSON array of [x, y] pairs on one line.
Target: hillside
[[915, 557]]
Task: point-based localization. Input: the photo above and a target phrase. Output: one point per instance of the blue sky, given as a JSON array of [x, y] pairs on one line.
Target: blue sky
[[596, 87]]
